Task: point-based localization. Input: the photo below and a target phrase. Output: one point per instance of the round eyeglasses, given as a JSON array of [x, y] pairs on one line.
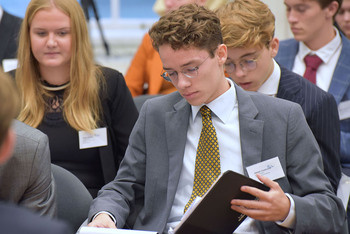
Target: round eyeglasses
[[246, 65], [191, 72]]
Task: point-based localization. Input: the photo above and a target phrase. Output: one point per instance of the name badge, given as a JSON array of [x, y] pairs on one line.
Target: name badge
[[270, 168], [9, 64], [97, 139], [344, 110]]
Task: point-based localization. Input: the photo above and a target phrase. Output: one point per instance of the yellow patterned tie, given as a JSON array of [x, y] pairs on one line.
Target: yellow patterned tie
[[207, 168]]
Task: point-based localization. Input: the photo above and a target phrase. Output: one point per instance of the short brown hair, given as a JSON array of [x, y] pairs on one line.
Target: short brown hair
[[246, 24], [325, 3], [189, 26], [9, 106]]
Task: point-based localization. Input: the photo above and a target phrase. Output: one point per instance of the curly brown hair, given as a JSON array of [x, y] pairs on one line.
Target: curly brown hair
[[189, 26]]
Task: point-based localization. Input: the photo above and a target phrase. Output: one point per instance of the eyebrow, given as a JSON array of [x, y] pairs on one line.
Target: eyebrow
[[245, 55], [40, 28], [183, 65]]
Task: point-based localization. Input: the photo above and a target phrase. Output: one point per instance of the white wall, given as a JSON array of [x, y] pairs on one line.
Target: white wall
[[282, 27]]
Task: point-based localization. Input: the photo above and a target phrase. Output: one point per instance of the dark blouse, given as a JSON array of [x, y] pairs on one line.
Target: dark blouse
[[86, 164]]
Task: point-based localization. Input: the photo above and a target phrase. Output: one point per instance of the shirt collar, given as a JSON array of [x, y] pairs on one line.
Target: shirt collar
[[222, 106], [325, 53], [270, 86]]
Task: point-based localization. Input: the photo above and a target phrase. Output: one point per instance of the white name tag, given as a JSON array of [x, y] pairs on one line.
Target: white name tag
[[270, 168], [9, 64], [344, 110], [97, 139]]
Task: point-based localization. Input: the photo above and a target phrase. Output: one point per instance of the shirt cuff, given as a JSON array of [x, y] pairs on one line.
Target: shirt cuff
[[289, 222], [105, 212]]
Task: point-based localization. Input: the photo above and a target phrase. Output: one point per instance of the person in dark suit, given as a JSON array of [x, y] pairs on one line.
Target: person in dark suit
[[9, 30], [155, 180], [252, 46], [14, 219], [315, 34], [332, 46]]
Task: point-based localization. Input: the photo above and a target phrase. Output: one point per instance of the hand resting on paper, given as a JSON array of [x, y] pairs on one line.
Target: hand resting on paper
[[102, 220], [273, 205]]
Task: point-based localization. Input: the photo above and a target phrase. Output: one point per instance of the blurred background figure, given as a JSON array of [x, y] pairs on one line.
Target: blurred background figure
[[143, 75], [86, 110], [343, 17], [9, 29]]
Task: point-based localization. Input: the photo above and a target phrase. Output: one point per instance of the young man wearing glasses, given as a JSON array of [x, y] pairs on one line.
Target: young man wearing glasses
[[251, 47], [158, 175]]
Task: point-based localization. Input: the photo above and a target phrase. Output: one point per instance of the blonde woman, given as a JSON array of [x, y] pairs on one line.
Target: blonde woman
[[86, 110]]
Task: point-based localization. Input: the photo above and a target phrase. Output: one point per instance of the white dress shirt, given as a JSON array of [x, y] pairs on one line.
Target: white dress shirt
[[329, 54], [270, 86], [226, 122]]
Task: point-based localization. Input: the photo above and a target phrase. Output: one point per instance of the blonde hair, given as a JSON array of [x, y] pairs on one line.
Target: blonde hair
[[9, 104], [246, 24], [81, 102]]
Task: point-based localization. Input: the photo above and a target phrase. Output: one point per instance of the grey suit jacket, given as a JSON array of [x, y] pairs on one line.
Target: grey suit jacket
[[142, 194], [26, 178]]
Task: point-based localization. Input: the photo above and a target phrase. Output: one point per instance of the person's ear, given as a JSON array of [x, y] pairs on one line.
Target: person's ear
[[7, 146], [274, 45], [221, 53], [331, 9]]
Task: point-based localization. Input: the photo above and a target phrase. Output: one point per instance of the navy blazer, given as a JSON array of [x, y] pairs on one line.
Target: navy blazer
[[18, 220], [9, 29], [321, 114], [339, 87]]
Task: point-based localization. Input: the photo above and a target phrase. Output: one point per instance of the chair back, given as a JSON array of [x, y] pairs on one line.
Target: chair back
[[73, 198], [139, 100]]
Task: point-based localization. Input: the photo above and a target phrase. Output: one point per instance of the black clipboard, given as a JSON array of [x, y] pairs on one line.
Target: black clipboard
[[213, 213]]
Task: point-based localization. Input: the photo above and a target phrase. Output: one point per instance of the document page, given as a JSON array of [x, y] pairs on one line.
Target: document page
[[95, 230]]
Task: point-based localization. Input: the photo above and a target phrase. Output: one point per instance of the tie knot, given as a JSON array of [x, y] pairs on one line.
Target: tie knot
[[205, 111], [312, 61]]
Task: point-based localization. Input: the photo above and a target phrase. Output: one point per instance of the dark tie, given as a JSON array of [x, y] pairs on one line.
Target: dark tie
[[312, 62], [207, 167]]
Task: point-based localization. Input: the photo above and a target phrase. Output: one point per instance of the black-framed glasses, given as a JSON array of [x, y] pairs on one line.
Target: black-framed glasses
[[191, 72]]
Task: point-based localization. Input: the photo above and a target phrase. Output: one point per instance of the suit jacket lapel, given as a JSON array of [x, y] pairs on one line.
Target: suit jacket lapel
[[341, 76], [289, 86], [287, 52], [251, 129], [176, 135]]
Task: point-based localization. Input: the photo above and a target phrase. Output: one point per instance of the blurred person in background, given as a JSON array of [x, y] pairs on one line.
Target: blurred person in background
[[343, 17], [9, 29]]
